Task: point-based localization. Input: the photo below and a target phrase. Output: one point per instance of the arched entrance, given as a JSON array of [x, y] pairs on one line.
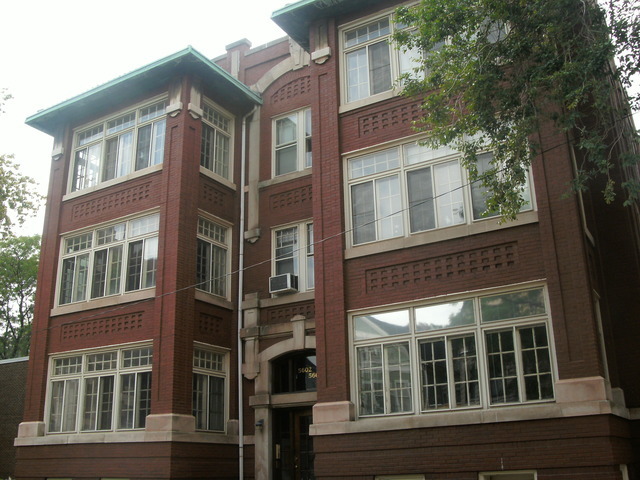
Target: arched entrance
[[292, 454]]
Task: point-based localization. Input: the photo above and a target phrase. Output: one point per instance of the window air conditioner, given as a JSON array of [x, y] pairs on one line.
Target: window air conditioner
[[285, 283]]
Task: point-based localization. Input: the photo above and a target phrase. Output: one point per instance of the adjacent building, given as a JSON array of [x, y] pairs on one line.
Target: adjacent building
[[251, 268]]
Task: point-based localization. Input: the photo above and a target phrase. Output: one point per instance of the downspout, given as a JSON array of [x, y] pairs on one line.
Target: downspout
[[243, 167]]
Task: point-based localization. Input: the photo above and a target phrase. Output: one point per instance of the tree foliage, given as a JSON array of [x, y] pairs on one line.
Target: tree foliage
[[19, 199], [18, 273], [495, 69]]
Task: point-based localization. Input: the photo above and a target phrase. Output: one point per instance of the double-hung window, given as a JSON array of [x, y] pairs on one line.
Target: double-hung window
[[209, 389], [473, 352], [119, 146], [412, 188], [292, 142], [109, 260], [212, 257], [293, 253], [100, 391], [215, 148], [372, 64]]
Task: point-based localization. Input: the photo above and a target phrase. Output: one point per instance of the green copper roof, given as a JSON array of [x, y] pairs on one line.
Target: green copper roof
[[295, 19], [148, 78]]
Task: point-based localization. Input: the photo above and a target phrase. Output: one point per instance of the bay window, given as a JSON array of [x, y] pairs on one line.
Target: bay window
[[474, 352], [109, 260], [412, 188], [215, 147], [100, 391], [119, 146]]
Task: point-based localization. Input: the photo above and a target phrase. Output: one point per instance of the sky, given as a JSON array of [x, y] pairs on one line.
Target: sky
[[51, 51]]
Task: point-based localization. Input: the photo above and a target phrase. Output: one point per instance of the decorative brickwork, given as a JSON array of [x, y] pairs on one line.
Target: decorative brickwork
[[210, 325], [101, 326], [438, 268], [290, 198], [296, 87], [113, 201], [286, 313], [382, 119], [213, 196]]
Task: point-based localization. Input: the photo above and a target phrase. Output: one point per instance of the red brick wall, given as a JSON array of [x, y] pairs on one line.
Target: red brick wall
[[576, 448]]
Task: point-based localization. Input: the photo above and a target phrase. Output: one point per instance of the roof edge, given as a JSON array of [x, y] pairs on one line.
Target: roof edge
[[249, 94]]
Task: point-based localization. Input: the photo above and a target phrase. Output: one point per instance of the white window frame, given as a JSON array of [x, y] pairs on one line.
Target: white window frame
[[123, 133], [301, 254], [216, 158], [400, 61], [210, 363], [301, 141], [113, 362], [79, 252], [389, 212], [216, 236], [404, 325]]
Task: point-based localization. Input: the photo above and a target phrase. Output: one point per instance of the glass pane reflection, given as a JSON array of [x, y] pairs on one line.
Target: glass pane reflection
[[381, 324], [445, 315]]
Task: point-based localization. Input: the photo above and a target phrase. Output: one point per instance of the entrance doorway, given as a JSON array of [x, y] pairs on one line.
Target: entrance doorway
[[292, 444]]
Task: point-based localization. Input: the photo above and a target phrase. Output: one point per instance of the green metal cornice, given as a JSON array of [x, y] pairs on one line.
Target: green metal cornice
[[296, 18], [144, 79]]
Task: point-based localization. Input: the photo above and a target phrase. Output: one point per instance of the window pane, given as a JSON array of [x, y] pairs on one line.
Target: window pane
[[143, 148], [421, 201], [199, 400], [134, 265], [512, 305], [363, 213], [114, 271], [287, 251], [389, 207], [143, 398], [398, 370], [357, 75], [449, 198], [127, 400], [415, 153], [216, 403], [222, 155], [157, 143], [370, 380], [98, 279], [479, 191], [536, 365], [379, 67], [286, 160], [367, 32], [219, 271], [286, 130], [501, 360], [433, 371], [207, 146], [381, 324], [377, 162], [465, 371], [70, 406], [307, 137], [203, 265], [150, 262], [445, 315]]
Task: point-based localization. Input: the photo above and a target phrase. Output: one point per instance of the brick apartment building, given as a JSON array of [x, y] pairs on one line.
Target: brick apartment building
[[250, 268]]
